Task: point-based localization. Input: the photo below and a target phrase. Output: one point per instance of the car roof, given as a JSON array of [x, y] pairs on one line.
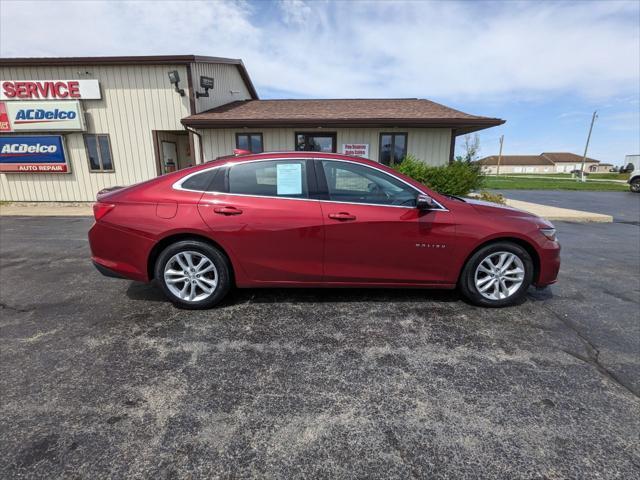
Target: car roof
[[291, 154]]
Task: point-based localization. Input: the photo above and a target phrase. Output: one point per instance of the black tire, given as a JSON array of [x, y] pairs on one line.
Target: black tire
[[216, 257], [467, 277], [634, 185]]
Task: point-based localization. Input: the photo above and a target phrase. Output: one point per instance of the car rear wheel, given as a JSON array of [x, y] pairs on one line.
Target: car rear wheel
[[635, 185], [193, 274], [497, 275]]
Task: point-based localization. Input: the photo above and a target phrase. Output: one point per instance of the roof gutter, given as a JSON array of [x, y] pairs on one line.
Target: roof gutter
[[199, 135], [461, 125]]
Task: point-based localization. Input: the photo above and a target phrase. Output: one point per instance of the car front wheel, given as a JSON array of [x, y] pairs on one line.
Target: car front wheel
[[193, 274], [497, 275], [635, 185]]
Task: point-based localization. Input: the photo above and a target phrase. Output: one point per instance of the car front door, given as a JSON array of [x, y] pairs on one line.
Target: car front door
[[374, 234], [263, 214]]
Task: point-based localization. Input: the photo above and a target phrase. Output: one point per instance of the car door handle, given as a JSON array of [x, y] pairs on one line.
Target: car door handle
[[342, 216], [227, 210]]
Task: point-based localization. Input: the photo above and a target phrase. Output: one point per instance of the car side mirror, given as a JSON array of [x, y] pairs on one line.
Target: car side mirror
[[425, 202]]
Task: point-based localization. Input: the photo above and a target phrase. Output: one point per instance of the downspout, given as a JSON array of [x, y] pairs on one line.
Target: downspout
[[192, 110], [199, 135], [452, 145]]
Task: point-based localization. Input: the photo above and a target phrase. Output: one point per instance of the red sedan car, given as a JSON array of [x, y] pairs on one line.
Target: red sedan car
[[310, 219]]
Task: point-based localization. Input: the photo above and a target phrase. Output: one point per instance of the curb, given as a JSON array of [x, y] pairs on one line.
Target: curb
[[48, 209], [560, 214]]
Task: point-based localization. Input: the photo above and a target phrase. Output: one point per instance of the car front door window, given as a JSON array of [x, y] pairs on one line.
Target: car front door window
[[354, 183]]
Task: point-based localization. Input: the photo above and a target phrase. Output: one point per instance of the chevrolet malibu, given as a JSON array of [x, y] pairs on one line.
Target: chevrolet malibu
[[310, 219]]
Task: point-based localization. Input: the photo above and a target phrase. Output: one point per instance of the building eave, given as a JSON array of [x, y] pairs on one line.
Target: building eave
[[461, 126], [116, 60]]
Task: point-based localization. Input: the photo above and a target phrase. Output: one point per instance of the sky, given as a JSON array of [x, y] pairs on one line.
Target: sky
[[543, 66]]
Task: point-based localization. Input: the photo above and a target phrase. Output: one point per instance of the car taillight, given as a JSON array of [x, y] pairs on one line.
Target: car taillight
[[101, 209]]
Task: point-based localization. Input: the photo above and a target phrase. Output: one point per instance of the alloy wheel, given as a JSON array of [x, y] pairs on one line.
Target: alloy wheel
[[499, 275], [191, 276]]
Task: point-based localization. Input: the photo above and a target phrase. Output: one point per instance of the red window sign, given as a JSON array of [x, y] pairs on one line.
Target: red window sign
[[5, 126], [356, 149]]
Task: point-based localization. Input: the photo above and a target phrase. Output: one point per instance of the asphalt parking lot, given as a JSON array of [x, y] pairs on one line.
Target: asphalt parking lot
[[623, 206], [103, 378]]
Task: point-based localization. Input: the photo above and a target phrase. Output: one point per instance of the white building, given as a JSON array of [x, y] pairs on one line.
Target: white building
[[548, 162], [72, 126]]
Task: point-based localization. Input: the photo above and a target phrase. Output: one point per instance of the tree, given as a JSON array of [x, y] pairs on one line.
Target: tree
[[471, 147]]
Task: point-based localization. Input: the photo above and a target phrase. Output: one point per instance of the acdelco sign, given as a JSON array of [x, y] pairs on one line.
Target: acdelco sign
[[23, 148], [49, 90], [41, 116], [33, 114], [39, 154]]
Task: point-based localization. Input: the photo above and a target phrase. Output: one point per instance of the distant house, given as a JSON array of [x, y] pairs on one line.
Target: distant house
[[566, 162], [548, 162], [601, 168], [517, 164]]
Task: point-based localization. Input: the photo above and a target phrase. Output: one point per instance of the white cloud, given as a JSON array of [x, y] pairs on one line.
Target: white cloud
[[295, 12], [358, 49], [503, 57]]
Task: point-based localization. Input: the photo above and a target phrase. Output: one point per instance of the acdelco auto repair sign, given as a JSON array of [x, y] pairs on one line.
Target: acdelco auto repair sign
[[49, 90], [40, 154], [41, 116]]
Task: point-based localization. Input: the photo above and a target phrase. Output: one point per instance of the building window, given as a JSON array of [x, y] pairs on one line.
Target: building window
[[99, 153], [249, 141], [315, 142], [393, 148]]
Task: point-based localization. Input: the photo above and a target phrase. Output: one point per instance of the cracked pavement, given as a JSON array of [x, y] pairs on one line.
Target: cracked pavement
[[102, 378]]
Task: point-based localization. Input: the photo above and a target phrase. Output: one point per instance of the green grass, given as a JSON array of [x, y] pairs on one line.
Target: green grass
[[601, 176], [610, 176], [515, 183]]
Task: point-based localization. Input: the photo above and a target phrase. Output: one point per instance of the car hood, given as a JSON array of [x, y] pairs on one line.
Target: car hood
[[490, 208]]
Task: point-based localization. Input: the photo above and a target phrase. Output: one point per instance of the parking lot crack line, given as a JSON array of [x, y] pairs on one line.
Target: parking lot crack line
[[593, 353], [15, 309]]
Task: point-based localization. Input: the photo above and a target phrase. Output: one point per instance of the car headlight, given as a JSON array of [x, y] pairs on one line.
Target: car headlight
[[550, 233]]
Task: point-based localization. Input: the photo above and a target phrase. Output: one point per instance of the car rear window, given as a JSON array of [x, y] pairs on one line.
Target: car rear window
[[206, 181]]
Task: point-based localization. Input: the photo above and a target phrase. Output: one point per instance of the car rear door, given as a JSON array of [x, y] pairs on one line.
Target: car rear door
[[264, 215], [375, 234]]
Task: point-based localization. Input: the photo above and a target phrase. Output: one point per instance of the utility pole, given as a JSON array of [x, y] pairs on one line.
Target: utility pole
[[500, 155], [586, 147]]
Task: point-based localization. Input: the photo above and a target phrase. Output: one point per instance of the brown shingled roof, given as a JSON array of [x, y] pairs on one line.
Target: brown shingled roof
[[566, 157], [516, 160], [336, 112]]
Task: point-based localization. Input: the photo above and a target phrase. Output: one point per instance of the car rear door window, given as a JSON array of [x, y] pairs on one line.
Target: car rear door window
[[355, 183], [278, 178]]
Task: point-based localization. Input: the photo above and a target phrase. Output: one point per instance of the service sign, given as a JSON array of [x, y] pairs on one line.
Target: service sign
[[356, 149], [41, 116], [49, 90], [33, 154]]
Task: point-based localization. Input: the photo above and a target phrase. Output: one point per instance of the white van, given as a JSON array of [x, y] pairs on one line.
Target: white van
[[634, 178]]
